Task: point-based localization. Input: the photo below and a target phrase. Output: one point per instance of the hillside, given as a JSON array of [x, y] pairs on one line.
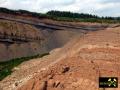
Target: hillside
[[63, 16], [22, 36], [70, 55], [76, 66]]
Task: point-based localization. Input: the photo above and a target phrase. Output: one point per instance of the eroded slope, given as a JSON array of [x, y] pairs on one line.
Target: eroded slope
[[76, 66], [82, 64]]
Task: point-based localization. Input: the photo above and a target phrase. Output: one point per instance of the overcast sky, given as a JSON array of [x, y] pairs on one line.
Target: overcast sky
[[97, 7]]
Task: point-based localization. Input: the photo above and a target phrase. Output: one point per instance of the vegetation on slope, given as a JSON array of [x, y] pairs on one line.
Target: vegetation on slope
[[81, 17], [6, 67], [22, 12], [64, 16]]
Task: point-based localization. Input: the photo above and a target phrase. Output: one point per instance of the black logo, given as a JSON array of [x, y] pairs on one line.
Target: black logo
[[108, 82]]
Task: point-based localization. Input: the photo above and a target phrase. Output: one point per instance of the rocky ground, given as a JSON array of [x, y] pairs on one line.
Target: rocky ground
[[76, 66]]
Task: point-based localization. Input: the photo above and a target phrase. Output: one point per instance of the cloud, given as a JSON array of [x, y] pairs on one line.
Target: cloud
[[2, 2], [98, 7], [110, 1]]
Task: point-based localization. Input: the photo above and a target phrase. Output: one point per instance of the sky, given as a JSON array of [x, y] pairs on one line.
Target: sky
[[96, 7]]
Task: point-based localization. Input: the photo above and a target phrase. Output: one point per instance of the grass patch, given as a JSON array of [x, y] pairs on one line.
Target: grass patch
[[6, 67], [91, 20]]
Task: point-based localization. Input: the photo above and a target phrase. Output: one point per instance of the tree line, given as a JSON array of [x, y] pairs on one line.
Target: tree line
[[22, 12], [70, 14], [78, 15], [60, 15]]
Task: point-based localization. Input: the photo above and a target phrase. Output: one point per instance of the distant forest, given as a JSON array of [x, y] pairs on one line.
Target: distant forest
[[64, 16], [22, 12]]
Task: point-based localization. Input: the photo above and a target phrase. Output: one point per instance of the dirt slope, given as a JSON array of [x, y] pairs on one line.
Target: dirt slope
[[22, 36], [37, 40], [11, 44], [76, 66]]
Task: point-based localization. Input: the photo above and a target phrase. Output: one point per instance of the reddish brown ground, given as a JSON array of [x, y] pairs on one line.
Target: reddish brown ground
[[78, 65], [85, 60]]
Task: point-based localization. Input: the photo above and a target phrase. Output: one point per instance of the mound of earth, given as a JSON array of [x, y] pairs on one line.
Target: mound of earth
[[76, 66]]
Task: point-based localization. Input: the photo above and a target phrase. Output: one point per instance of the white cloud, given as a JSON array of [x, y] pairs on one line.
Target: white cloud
[[98, 7]]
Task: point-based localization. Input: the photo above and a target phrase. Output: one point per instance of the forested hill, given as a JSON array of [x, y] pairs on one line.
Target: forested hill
[[70, 16], [63, 16]]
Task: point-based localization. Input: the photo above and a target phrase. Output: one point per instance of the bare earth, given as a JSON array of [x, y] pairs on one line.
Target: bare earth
[[76, 66], [25, 36]]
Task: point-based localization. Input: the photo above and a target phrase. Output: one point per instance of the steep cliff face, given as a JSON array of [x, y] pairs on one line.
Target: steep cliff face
[[21, 40], [18, 40], [22, 36], [15, 50], [13, 28]]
